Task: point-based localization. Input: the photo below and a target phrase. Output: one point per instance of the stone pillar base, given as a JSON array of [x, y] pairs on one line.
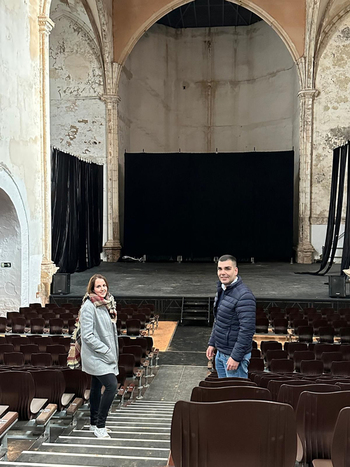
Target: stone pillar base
[[112, 251], [305, 254], [48, 269]]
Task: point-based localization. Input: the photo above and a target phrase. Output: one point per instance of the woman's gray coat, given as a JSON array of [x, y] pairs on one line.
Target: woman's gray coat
[[99, 340]]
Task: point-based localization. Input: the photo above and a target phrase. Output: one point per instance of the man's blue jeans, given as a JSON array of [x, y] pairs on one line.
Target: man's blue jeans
[[221, 366]]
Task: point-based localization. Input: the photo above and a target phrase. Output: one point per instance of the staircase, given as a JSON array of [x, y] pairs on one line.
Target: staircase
[[195, 309], [140, 437]]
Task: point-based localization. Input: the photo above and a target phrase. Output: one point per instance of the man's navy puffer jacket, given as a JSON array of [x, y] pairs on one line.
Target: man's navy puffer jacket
[[234, 320]]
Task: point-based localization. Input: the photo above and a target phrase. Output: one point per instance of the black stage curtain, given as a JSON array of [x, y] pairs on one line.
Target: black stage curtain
[[77, 212], [340, 166], [345, 263], [204, 205]]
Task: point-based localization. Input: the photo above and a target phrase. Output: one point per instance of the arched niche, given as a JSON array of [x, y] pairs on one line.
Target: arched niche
[[14, 245]]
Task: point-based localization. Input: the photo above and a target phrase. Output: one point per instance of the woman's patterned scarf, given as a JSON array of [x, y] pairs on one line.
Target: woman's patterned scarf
[[108, 302]]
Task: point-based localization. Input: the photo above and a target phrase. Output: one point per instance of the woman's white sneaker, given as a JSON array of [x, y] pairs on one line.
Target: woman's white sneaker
[[101, 433]]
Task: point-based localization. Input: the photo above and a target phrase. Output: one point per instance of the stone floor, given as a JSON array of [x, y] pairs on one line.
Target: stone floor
[[266, 280]]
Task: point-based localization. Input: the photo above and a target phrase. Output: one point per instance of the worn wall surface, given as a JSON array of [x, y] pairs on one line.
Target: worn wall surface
[[202, 90], [10, 251], [332, 127], [20, 163], [78, 121], [231, 89]]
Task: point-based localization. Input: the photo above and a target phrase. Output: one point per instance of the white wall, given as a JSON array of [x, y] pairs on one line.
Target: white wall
[[20, 163], [332, 126], [200, 89], [10, 251]]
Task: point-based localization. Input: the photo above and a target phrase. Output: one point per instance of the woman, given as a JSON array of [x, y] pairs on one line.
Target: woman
[[99, 350]]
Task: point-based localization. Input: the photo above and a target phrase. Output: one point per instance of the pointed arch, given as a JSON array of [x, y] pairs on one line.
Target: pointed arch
[[132, 18], [10, 187]]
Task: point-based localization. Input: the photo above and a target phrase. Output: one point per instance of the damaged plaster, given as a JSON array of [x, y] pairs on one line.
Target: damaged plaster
[[78, 122]]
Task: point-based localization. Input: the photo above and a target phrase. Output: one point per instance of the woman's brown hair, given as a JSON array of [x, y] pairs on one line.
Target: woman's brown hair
[[91, 284]]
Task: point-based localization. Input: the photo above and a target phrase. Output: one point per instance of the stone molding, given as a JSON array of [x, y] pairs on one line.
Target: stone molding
[[305, 249], [45, 25], [112, 247], [48, 268]]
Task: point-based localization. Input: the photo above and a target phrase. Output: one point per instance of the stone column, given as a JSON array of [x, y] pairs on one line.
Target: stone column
[[305, 249], [48, 268], [112, 248]]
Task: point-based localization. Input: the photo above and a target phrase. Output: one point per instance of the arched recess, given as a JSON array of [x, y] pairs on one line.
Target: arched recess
[[132, 19], [10, 192]]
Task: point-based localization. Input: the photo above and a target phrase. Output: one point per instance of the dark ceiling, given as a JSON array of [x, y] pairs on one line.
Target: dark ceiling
[[209, 14]]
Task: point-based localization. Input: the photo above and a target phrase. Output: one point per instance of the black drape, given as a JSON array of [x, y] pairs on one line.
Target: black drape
[[77, 212], [345, 263], [204, 205], [340, 166]]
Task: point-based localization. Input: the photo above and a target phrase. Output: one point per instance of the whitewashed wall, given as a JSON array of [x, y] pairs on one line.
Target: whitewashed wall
[[10, 251], [231, 89], [78, 120], [332, 123], [20, 148]]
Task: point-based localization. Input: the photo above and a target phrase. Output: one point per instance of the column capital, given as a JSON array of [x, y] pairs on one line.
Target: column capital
[[45, 24], [308, 93], [111, 98]]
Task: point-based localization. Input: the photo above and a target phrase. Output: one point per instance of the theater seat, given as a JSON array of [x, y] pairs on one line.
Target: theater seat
[[340, 448], [133, 327], [269, 345], [267, 437], [311, 367], [14, 359], [317, 414], [41, 359], [202, 394], [3, 324], [275, 355], [328, 358], [300, 355], [283, 365], [256, 364], [289, 394], [275, 384], [226, 382], [340, 368]]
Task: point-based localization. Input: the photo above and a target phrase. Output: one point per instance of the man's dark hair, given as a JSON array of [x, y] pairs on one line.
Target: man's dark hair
[[228, 257]]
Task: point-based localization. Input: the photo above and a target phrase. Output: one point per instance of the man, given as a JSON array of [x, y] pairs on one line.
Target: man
[[234, 322]]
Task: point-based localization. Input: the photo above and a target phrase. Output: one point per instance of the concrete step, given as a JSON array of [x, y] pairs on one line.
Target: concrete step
[[117, 440], [51, 459], [107, 447], [127, 433]]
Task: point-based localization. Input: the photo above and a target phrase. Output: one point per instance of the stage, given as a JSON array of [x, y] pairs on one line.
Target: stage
[[273, 282]]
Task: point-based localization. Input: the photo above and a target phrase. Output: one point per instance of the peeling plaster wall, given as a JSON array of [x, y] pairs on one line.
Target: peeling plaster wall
[[10, 251], [20, 128], [78, 120], [231, 89], [332, 126]]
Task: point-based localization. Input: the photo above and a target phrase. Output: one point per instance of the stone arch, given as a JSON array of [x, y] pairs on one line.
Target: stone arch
[[121, 52], [326, 34], [82, 27], [11, 194]]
